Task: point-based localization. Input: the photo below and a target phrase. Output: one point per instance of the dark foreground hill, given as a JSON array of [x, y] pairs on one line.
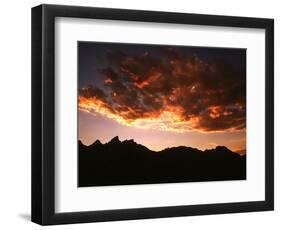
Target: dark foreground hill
[[124, 163]]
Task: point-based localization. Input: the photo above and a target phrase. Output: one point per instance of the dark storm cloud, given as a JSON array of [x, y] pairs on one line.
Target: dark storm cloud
[[90, 91], [210, 92]]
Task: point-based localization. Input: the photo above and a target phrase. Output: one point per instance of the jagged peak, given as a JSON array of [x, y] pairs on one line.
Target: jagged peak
[[222, 148], [114, 140], [130, 141], [80, 142], [97, 142]]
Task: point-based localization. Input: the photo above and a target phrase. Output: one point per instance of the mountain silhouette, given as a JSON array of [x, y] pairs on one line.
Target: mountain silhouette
[[127, 162]]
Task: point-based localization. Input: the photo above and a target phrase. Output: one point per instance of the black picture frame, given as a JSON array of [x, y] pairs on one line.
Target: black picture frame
[[43, 114]]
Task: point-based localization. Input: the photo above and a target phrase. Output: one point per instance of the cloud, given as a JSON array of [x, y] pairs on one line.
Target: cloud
[[169, 91]]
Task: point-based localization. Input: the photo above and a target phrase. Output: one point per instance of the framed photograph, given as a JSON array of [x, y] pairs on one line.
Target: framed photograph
[[142, 114]]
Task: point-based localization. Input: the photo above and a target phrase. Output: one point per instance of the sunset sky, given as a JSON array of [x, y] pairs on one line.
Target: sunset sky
[[162, 96]]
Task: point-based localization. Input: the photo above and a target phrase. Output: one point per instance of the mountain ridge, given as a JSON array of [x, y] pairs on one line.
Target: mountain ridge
[[127, 162], [117, 140]]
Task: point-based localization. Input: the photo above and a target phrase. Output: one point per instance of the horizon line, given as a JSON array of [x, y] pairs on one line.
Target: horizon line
[[237, 151]]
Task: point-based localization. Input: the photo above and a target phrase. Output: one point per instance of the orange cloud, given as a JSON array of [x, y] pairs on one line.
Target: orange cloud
[[174, 92], [108, 81], [141, 85]]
